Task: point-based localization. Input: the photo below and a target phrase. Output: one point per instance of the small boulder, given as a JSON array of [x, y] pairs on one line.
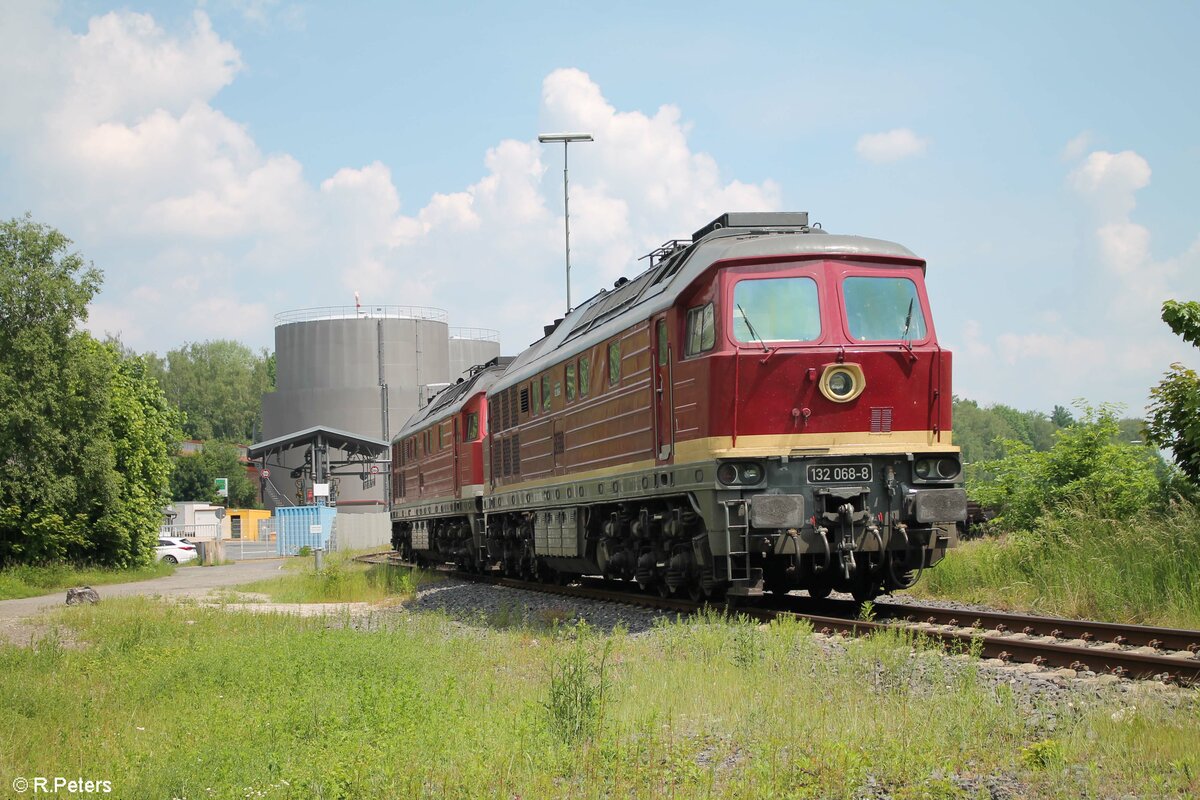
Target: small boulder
[[84, 594]]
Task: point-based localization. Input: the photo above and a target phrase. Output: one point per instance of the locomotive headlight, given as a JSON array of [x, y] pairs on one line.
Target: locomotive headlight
[[842, 383], [936, 469], [948, 468], [739, 473]]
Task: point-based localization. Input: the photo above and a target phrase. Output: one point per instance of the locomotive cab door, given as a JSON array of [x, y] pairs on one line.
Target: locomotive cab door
[[664, 407]]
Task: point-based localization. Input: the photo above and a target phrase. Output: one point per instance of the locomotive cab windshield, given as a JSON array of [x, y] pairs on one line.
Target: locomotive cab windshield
[[883, 309]]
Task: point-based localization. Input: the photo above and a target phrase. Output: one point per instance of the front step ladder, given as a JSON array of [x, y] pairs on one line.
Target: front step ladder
[[744, 580]]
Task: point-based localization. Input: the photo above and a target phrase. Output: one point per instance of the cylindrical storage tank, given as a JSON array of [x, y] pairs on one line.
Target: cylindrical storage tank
[[471, 347], [331, 362], [331, 367]]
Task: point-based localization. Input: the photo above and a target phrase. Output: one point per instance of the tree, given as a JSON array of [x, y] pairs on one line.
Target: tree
[[84, 433], [1174, 421], [1088, 465], [1061, 417], [194, 477], [219, 386]]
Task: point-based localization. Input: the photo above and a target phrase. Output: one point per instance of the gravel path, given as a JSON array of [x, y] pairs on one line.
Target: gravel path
[[18, 618]]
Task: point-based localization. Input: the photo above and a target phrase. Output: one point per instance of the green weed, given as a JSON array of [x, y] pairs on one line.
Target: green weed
[[1078, 565], [174, 700], [340, 580], [579, 685]]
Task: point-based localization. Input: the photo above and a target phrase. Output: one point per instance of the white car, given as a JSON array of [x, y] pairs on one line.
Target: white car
[[175, 551]]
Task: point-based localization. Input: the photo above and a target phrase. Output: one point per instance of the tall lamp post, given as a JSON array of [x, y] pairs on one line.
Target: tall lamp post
[[566, 139]]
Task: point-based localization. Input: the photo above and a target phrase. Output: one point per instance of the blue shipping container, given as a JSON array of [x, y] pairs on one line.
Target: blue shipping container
[[303, 526]]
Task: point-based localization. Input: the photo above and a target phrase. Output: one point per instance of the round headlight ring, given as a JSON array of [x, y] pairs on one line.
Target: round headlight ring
[[750, 473], [923, 468], [727, 474], [842, 383], [948, 468]]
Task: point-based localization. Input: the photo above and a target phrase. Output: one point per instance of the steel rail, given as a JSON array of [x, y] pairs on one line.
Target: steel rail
[[1183, 667], [1123, 634]]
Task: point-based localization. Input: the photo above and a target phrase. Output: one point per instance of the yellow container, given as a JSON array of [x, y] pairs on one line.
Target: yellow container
[[242, 523]]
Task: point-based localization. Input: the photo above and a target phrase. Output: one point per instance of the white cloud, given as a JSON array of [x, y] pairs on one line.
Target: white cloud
[[1077, 146], [893, 145], [1105, 337], [215, 235], [1108, 184], [1109, 181]]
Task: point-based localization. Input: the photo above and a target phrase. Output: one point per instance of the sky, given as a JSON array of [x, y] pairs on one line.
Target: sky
[[226, 161]]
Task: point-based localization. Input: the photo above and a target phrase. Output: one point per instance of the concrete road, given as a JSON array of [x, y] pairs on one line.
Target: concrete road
[[186, 582]]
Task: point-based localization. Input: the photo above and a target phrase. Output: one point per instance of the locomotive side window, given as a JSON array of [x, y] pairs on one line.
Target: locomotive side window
[[776, 310], [883, 309], [447, 435], [614, 362], [471, 429], [537, 402], [663, 346], [585, 375], [545, 393], [571, 382], [701, 330]]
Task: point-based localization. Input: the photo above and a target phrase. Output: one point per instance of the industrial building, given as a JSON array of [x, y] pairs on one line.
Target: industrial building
[[362, 370]]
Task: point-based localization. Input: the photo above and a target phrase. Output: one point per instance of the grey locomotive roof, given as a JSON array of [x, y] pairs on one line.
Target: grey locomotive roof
[[452, 399], [604, 315]]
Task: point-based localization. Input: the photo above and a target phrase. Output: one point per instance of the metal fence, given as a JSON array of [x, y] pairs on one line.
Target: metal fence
[[246, 549], [201, 531], [361, 312]]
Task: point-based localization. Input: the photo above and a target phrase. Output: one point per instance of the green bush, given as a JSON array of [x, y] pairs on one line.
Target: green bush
[[1086, 468]]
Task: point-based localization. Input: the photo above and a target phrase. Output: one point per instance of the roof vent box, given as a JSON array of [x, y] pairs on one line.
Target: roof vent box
[[754, 219]]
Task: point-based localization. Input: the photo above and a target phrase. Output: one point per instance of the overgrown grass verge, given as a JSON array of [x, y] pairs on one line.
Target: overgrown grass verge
[[31, 581], [1078, 565], [340, 580], [186, 702]]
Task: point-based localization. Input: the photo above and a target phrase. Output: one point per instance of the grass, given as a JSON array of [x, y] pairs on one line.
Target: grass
[[175, 701], [340, 580], [1078, 565], [32, 581]]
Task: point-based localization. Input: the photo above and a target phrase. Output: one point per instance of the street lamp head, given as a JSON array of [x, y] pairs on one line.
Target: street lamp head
[[565, 137]]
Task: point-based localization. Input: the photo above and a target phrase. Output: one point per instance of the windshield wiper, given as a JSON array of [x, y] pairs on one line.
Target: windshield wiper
[[908, 319], [753, 332]]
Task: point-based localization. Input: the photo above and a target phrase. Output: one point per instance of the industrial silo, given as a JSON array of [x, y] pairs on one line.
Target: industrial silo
[[356, 369], [470, 347]]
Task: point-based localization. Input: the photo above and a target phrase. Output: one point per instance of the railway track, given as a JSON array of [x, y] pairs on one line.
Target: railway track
[[1130, 651]]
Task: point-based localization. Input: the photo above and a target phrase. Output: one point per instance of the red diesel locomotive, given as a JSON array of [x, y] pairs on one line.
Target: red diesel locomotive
[[765, 407]]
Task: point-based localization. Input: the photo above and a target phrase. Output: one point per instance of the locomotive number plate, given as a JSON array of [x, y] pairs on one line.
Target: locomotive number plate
[[839, 473]]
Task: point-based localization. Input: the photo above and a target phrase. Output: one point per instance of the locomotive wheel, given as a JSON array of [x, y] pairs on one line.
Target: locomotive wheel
[[864, 592], [695, 592], [819, 591], [663, 589]]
